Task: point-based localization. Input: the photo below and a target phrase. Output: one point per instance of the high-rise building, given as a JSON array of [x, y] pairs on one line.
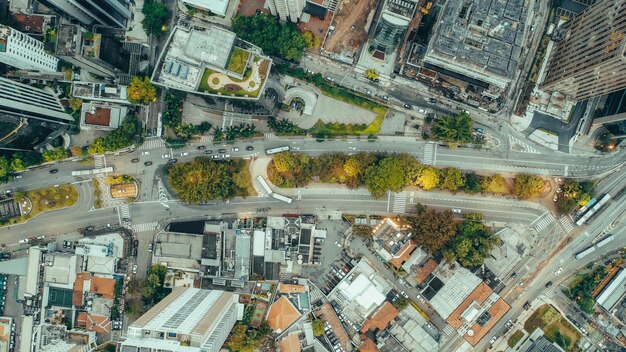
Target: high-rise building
[[23, 52], [286, 9], [188, 319], [392, 24], [589, 58], [30, 117], [108, 13]]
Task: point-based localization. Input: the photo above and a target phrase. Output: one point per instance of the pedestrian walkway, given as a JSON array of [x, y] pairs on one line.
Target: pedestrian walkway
[[517, 145], [99, 161], [206, 139], [124, 211], [270, 136], [448, 330], [147, 227], [152, 144], [543, 221], [162, 192], [399, 202], [549, 293], [429, 150], [567, 223]]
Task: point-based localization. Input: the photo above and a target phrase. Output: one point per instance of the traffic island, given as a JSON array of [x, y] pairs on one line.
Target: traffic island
[[45, 199]]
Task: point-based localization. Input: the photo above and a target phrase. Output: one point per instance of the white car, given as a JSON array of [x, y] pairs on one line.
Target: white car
[[493, 339], [17, 177], [135, 269], [226, 156], [23, 241], [558, 271], [184, 154], [421, 299], [457, 211], [235, 149], [404, 294], [338, 244], [165, 156], [145, 153]]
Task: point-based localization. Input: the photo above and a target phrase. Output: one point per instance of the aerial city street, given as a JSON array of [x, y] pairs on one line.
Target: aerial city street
[[312, 175]]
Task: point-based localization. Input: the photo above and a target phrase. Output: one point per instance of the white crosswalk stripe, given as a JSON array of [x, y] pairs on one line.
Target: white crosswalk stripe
[[98, 161], [518, 145], [567, 223], [270, 135], [152, 144], [549, 293], [399, 202], [428, 154], [162, 192], [544, 221], [206, 139], [124, 211], [147, 227], [448, 330]]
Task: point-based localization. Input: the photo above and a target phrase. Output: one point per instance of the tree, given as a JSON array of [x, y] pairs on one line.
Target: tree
[[290, 162], [308, 38], [218, 134], [155, 18], [4, 168], [97, 147], [372, 74], [318, 327], [433, 229], [76, 104], [241, 340], [429, 178], [472, 244], [401, 303], [200, 180], [57, 153], [528, 186], [453, 179], [17, 164], [454, 128], [141, 91], [472, 183], [388, 175], [280, 39]]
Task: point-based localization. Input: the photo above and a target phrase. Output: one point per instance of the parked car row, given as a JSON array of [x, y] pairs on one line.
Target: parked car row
[[3, 292], [333, 340], [337, 272]]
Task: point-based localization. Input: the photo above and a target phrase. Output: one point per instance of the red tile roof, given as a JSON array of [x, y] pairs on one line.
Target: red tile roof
[[282, 314], [368, 346], [403, 254], [290, 343], [92, 322], [381, 318], [424, 271]]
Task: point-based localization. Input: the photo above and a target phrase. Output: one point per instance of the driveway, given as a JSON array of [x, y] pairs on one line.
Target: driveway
[[565, 130]]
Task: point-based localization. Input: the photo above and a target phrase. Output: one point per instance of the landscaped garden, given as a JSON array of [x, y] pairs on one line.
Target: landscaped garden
[[214, 82], [238, 60], [46, 199], [555, 327]]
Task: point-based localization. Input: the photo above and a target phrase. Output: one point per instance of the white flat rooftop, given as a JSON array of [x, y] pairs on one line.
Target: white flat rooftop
[[218, 7]]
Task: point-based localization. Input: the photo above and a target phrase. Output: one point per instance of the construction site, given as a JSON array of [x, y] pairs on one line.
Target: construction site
[[349, 28]]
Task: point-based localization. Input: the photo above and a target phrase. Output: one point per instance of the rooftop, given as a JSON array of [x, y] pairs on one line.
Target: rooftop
[[30, 23], [403, 254], [479, 296], [291, 343], [211, 47], [482, 327], [282, 314], [425, 270], [92, 322], [613, 292], [217, 7], [481, 39], [381, 318], [124, 190], [459, 283]]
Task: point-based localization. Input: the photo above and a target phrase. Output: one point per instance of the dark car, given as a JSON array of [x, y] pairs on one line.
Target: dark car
[[248, 148], [172, 161], [222, 151], [407, 106], [201, 147], [89, 228], [208, 152], [148, 163], [549, 284], [136, 160], [54, 171]]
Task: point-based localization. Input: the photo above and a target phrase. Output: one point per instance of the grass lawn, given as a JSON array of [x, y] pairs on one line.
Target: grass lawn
[[340, 129], [204, 86], [237, 61], [555, 327], [515, 338]]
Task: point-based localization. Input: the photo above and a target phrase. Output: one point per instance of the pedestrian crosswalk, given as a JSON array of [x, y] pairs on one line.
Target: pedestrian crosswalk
[[124, 211], [567, 223], [399, 202], [147, 227], [206, 139], [448, 330], [429, 150], [549, 293], [270, 135], [162, 192], [152, 144], [518, 145], [543, 221], [99, 161]]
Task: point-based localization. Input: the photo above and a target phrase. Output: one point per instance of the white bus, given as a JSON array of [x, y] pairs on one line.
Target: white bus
[[103, 170], [605, 240], [277, 150], [264, 184], [282, 198], [584, 253]]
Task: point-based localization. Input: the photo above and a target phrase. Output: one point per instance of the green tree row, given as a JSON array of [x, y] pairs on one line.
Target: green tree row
[[582, 287], [574, 194], [203, 179], [381, 173], [274, 38]]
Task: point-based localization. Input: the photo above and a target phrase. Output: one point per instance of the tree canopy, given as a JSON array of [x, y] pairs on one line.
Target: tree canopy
[[433, 229], [156, 16], [58, 153], [279, 39], [200, 180], [318, 327], [454, 128], [141, 91], [528, 186], [453, 179], [573, 194], [121, 138], [471, 245]]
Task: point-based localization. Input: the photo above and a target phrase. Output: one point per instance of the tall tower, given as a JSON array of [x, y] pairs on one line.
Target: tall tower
[[286, 9], [31, 116], [23, 52], [589, 59], [108, 13]]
